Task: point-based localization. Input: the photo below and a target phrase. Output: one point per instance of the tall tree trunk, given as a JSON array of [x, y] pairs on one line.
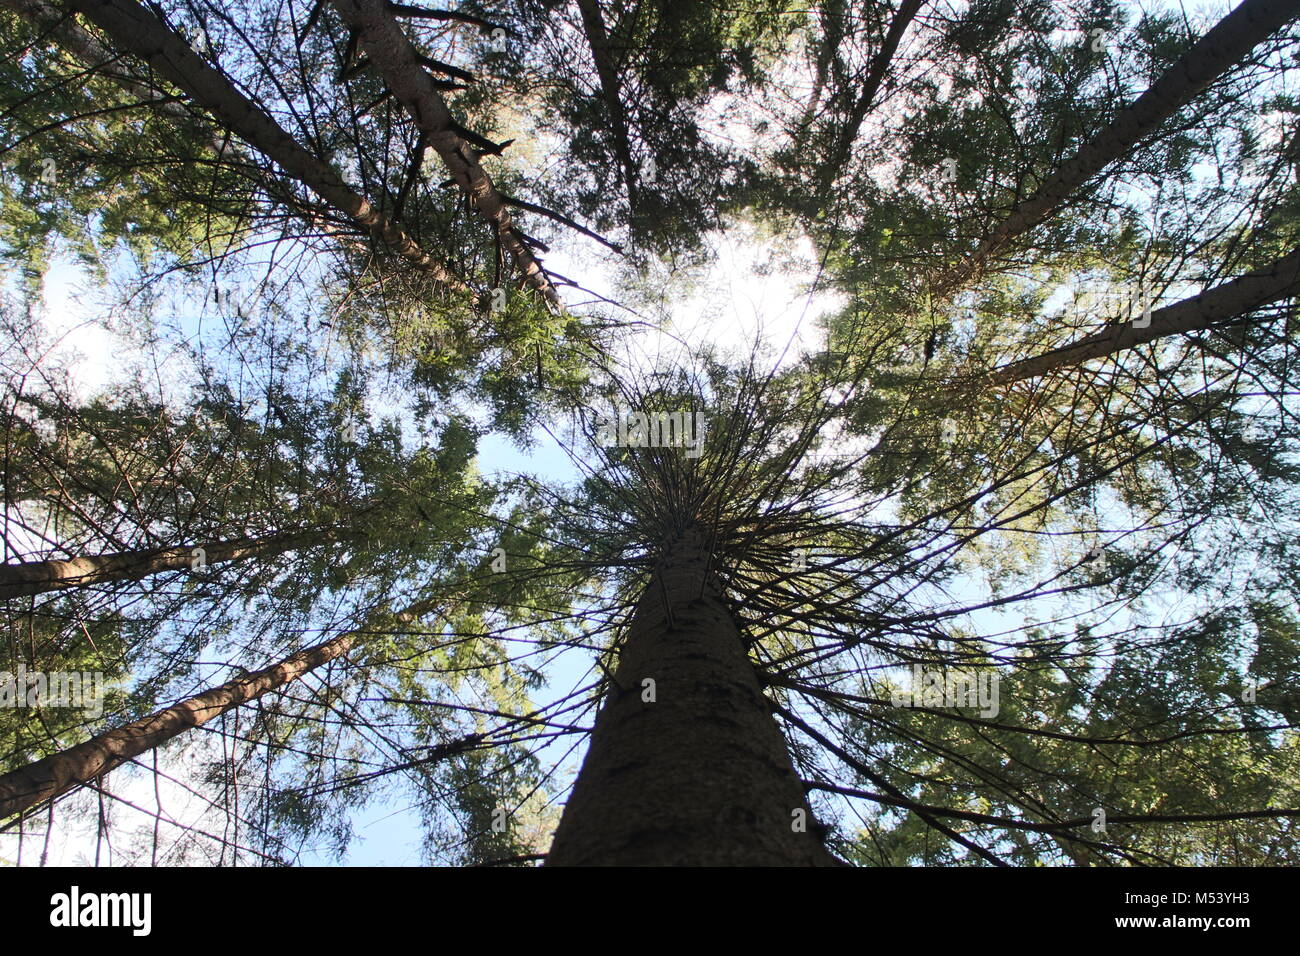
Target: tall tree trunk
[[593, 27], [876, 73], [698, 775], [396, 60], [76, 766], [83, 45], [37, 577], [1212, 307], [1223, 47], [831, 19], [136, 30]]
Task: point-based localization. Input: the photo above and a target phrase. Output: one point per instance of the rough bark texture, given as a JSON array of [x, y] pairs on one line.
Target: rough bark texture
[[1225, 45], [1199, 312], [47, 778], [37, 577], [701, 775], [405, 76], [134, 29]]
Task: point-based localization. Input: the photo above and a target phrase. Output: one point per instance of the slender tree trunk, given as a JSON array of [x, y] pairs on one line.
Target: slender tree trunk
[[686, 764], [78, 765], [396, 60], [1222, 48], [61, 772], [831, 19], [593, 27], [37, 577], [1212, 307], [136, 30], [94, 56], [876, 74]]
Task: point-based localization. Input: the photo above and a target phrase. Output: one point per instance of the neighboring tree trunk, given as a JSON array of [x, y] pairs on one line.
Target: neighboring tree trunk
[[700, 775], [876, 73], [37, 577], [1227, 43], [831, 17], [593, 26], [1199, 312], [94, 55], [135, 29], [78, 765], [61, 772], [395, 59]]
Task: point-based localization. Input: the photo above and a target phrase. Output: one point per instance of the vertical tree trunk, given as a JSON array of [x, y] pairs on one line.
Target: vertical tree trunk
[[699, 775], [593, 26]]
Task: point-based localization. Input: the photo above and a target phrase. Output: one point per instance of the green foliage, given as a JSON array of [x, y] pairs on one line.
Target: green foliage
[[89, 169]]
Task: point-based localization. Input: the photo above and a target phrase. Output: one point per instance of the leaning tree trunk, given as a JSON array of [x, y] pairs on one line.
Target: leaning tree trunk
[[876, 73], [76, 766], [134, 28], [22, 578], [1207, 310], [406, 75], [686, 764], [1226, 44]]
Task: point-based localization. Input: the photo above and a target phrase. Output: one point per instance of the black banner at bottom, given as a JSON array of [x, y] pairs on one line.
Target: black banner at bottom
[[142, 907]]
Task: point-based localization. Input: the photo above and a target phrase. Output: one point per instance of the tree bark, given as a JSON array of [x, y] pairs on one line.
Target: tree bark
[[1215, 306], [1225, 45], [38, 577], [135, 29], [405, 76], [700, 775], [61, 772], [84, 46]]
